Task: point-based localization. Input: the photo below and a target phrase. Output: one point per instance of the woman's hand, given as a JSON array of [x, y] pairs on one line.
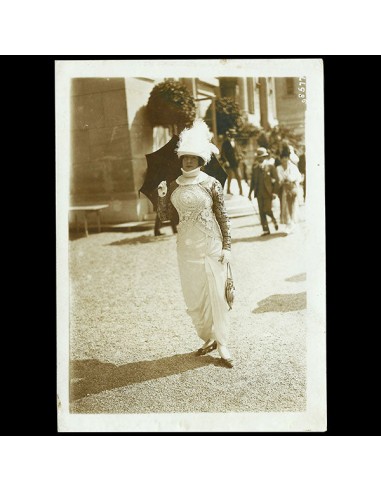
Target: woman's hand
[[162, 189], [225, 256]]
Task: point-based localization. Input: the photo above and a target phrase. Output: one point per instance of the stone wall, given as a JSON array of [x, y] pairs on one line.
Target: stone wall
[[110, 137]]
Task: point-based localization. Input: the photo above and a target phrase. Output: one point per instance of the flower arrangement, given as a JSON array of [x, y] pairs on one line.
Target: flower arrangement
[[171, 104]]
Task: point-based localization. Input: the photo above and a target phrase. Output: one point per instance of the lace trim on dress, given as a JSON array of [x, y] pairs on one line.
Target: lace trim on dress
[[213, 189], [221, 214], [194, 206]]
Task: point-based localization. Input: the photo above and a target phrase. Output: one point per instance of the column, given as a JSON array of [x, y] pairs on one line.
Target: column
[[243, 100]]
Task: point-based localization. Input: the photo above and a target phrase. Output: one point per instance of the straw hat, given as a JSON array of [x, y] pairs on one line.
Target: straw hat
[[261, 152]]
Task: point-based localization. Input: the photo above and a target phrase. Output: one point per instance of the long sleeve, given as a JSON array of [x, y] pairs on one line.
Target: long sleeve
[[253, 180], [280, 173], [165, 210], [296, 174], [222, 217], [274, 176]]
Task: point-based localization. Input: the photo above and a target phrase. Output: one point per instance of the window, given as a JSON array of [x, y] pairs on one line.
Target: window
[[290, 86]]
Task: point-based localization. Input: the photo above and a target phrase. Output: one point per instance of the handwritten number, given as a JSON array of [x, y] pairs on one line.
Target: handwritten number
[[302, 89]]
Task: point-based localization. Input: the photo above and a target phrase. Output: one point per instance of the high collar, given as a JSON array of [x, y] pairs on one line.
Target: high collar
[[191, 174], [191, 177]]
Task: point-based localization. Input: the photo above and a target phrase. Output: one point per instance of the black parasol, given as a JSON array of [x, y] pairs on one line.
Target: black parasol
[[164, 165], [214, 168]]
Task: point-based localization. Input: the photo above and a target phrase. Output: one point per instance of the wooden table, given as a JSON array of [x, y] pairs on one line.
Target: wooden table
[[88, 209]]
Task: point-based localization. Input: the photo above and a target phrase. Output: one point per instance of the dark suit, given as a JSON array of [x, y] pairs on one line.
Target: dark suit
[[233, 156], [264, 183], [302, 169], [230, 153]]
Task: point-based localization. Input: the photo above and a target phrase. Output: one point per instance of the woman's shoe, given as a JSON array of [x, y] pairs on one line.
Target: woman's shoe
[[227, 362], [226, 358], [207, 349]]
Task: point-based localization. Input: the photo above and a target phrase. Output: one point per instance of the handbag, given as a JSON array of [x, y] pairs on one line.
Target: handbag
[[229, 287]]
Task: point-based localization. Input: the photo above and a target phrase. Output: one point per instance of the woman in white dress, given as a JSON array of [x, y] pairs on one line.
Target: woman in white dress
[[203, 240], [289, 180]]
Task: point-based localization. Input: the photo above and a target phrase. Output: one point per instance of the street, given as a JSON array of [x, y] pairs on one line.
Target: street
[[132, 344]]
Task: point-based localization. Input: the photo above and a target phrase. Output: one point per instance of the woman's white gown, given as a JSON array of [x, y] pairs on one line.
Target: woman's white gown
[[199, 247], [289, 204]]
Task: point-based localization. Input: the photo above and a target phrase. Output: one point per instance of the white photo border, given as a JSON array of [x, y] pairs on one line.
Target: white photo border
[[314, 419]]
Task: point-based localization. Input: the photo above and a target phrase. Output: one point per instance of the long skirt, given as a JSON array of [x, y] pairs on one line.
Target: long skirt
[[289, 209], [203, 283]]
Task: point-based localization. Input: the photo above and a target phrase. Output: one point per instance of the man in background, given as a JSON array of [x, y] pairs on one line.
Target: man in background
[[302, 169], [264, 183], [232, 155]]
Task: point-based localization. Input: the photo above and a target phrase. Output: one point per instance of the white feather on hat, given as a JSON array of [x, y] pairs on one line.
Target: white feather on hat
[[197, 141]]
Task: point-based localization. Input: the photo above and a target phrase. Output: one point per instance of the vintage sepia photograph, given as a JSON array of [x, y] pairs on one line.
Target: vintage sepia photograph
[[190, 246]]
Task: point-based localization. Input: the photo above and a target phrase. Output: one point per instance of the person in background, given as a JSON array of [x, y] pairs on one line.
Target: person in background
[[264, 183], [293, 155], [158, 225], [231, 153], [262, 140], [289, 179], [302, 169], [275, 154]]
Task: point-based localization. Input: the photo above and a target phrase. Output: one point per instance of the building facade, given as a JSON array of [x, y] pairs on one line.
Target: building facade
[[111, 133], [290, 108]]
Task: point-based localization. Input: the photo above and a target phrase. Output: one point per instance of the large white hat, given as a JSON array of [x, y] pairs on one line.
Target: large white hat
[[197, 141]]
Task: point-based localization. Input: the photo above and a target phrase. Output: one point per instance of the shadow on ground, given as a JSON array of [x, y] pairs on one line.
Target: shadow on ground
[[245, 226], [259, 238], [91, 376], [139, 240], [297, 278], [282, 303], [73, 236]]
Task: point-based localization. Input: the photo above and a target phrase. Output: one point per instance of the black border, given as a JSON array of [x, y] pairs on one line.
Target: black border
[[31, 408]]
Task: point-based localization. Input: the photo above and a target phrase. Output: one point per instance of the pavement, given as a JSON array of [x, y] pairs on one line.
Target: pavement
[[132, 344]]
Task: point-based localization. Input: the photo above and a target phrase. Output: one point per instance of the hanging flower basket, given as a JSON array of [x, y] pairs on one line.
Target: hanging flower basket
[[228, 114], [170, 103]]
